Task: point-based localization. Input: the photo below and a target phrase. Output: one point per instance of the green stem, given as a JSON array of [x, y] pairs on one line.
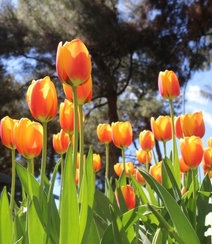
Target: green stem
[[174, 147], [75, 146], [30, 163], [13, 181], [61, 181], [194, 197], [106, 166], [123, 158], [147, 161], [81, 146], [164, 148], [43, 162]]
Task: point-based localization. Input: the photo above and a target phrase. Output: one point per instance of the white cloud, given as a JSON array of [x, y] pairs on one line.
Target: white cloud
[[193, 94]]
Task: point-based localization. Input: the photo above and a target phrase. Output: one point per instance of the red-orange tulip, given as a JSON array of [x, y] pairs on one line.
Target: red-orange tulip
[[73, 63], [168, 84], [146, 140], [128, 195], [6, 132], [104, 133], [156, 172], [122, 134], [143, 156], [60, 142], [178, 127], [118, 168], [29, 145], [97, 163], [210, 142], [183, 167], [139, 177], [207, 159], [84, 92], [193, 124], [42, 99], [162, 128], [191, 150], [67, 117]]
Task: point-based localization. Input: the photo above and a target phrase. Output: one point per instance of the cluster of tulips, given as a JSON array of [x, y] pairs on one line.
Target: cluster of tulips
[[29, 138]]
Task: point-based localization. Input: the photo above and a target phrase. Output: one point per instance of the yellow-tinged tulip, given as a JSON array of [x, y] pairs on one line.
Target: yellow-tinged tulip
[[168, 84], [122, 134], [207, 159], [6, 132], [128, 195], [84, 92], [73, 63], [118, 168], [156, 172], [67, 117], [178, 127], [162, 128], [104, 133], [97, 163], [193, 124], [42, 99], [209, 142], [139, 177], [28, 138], [146, 140], [143, 156], [183, 167], [60, 142], [191, 150]]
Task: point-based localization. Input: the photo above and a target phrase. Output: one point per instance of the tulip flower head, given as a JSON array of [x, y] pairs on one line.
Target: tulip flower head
[[178, 127], [97, 163], [104, 133], [209, 142], [118, 168], [193, 124], [128, 195], [29, 145], [207, 159], [73, 63], [146, 140], [183, 167], [162, 128], [60, 142], [191, 150], [42, 99], [122, 134], [139, 177], [143, 156], [156, 172], [168, 84], [6, 132], [84, 92]]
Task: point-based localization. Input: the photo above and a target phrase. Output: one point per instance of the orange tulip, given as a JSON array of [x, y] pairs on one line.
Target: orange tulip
[[183, 167], [162, 128], [67, 117], [42, 99], [156, 172], [77, 176], [143, 156], [118, 168], [210, 142], [168, 84], [128, 195], [97, 163], [122, 134], [193, 124], [84, 92], [60, 142], [178, 127], [139, 177], [6, 132], [207, 159], [146, 140], [73, 63], [29, 145], [191, 150], [104, 133]]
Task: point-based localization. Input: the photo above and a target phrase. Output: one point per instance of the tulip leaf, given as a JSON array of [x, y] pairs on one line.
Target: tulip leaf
[[6, 222], [182, 224], [69, 225]]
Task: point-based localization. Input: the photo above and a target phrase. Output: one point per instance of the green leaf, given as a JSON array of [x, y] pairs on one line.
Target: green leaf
[[6, 222], [69, 219], [158, 237], [182, 224], [35, 222]]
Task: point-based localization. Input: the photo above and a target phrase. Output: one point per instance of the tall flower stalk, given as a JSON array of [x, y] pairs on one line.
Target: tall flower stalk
[[81, 145], [13, 180]]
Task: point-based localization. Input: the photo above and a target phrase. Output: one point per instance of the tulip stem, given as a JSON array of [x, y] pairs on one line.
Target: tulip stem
[[106, 166], [164, 148], [123, 158], [175, 160], [75, 146], [81, 146], [194, 197], [43, 162], [147, 161], [13, 181], [30, 163]]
